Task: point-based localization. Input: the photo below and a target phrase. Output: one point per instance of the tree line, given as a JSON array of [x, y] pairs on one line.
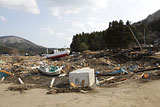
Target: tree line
[[117, 36]]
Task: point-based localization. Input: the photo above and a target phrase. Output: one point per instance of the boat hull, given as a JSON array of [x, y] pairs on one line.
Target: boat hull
[[58, 55], [45, 71]]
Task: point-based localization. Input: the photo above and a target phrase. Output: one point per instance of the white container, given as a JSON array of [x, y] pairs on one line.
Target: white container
[[86, 74]]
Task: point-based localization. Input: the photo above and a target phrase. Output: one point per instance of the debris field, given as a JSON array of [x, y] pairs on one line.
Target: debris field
[[110, 68]]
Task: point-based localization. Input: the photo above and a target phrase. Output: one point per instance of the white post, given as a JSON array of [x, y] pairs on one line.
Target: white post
[[110, 78], [20, 81], [52, 82], [2, 79]]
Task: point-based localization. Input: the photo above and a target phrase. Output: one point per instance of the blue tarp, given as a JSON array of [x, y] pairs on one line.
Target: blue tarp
[[121, 70]]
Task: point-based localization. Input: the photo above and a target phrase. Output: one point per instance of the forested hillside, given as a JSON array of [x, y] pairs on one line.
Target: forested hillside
[[118, 35]]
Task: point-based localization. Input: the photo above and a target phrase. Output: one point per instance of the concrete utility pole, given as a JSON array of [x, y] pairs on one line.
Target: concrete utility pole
[[144, 38], [135, 38], [47, 50]]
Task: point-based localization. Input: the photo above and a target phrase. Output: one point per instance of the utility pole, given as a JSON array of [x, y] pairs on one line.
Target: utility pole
[[136, 39], [47, 50], [144, 38]]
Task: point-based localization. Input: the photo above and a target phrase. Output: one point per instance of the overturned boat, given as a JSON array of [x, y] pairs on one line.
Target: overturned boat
[[50, 70], [58, 54]]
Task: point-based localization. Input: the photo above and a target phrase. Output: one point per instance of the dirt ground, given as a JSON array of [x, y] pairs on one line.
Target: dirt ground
[[125, 90], [128, 94]]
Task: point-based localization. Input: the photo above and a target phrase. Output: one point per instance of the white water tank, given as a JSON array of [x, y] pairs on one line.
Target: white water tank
[[85, 74]]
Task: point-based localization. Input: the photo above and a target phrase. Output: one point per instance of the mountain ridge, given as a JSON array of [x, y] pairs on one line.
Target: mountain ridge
[[19, 43], [11, 39], [153, 17]]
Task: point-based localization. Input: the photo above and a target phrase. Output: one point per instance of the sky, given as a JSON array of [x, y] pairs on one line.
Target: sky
[[53, 23]]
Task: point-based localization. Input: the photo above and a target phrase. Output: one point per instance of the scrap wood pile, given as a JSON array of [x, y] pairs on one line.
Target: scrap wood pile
[[110, 69]]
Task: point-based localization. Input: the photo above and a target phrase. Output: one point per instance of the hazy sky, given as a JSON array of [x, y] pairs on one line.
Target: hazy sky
[[52, 23]]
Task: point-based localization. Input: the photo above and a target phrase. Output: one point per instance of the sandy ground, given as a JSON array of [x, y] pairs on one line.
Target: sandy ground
[[129, 94]]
